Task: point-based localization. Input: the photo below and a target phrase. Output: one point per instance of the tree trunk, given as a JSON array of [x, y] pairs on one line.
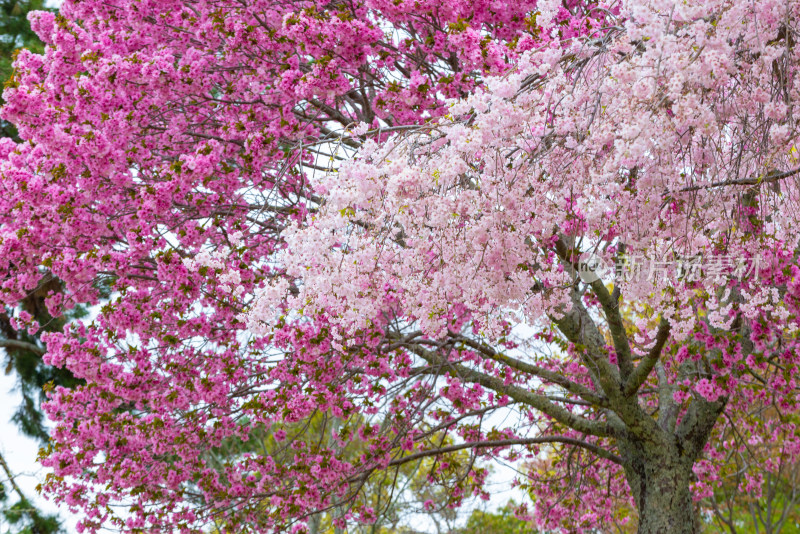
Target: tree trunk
[[660, 482]]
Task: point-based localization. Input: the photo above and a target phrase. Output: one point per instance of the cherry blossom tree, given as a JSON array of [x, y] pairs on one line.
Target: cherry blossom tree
[[522, 226]]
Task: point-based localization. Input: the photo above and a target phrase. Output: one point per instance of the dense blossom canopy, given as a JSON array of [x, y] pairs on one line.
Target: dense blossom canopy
[[378, 213]]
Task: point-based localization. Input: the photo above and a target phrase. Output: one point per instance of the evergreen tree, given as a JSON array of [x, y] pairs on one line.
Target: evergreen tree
[[16, 33]]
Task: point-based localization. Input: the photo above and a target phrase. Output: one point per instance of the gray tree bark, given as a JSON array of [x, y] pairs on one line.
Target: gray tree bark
[[660, 480]]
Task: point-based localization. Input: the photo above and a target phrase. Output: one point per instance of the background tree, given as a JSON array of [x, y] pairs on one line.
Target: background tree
[[504, 521], [401, 498], [15, 34]]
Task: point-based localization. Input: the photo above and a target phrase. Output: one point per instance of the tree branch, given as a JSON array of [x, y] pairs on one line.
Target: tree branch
[[763, 179], [610, 306], [11, 477], [550, 376], [599, 451], [697, 423], [644, 368], [21, 345], [539, 402]]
